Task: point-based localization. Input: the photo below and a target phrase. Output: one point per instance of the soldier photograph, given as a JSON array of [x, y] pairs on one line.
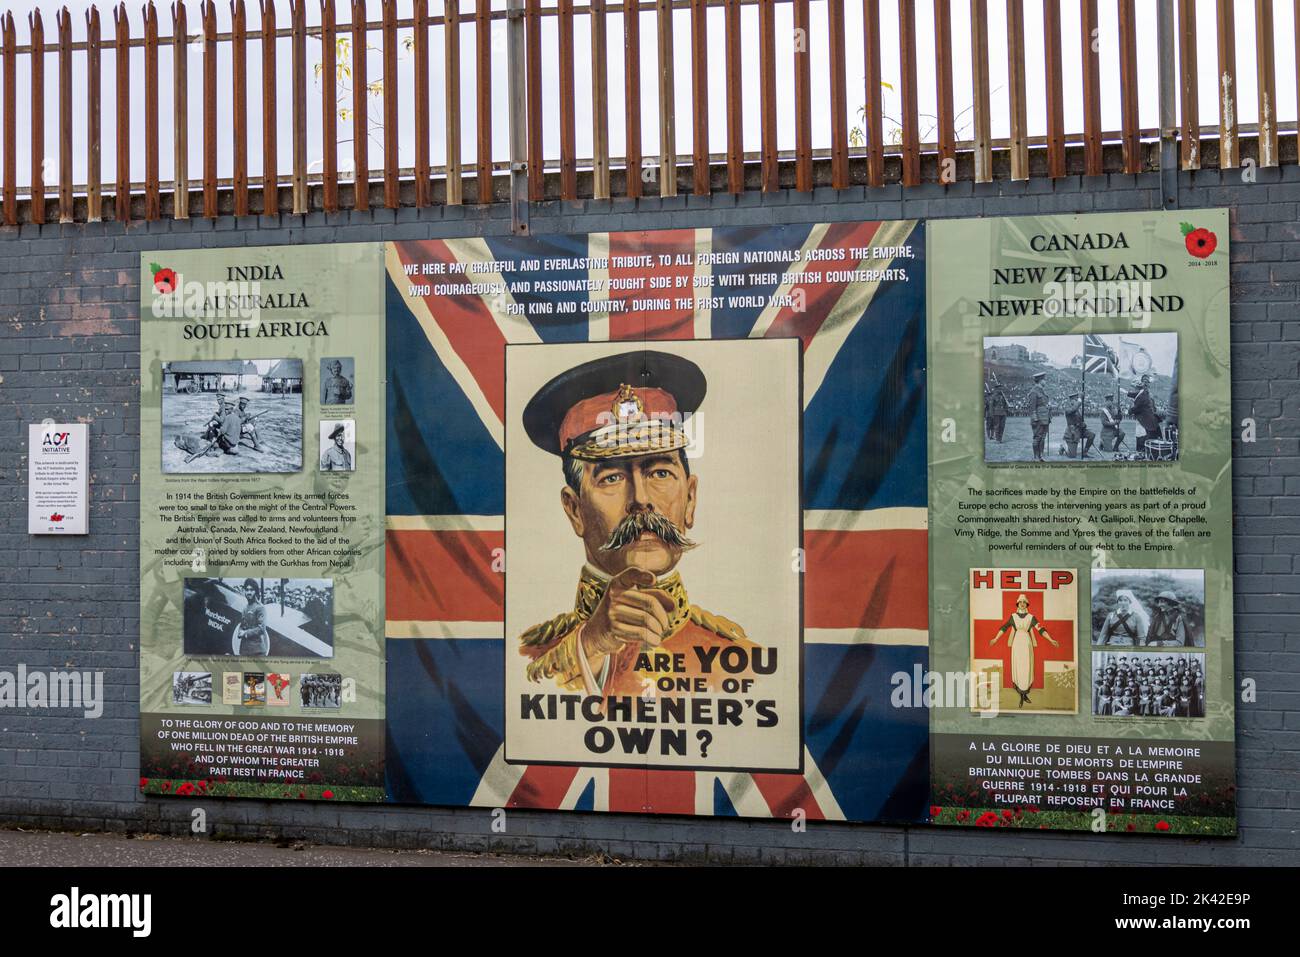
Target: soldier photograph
[[192, 687], [250, 637], [255, 617], [337, 381], [338, 445], [1127, 623], [1148, 685], [1078, 437], [1148, 607], [1040, 414], [618, 431], [1144, 411], [1103, 398], [1168, 626], [256, 425], [997, 408], [1112, 435], [321, 691]]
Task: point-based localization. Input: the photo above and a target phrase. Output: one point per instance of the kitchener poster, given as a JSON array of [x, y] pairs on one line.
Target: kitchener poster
[[261, 550], [612, 461], [1081, 523], [656, 521]]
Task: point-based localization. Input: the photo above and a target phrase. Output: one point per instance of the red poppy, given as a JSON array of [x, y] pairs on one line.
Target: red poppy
[[935, 810], [963, 815], [1131, 827], [987, 819], [164, 280], [302, 794], [166, 785], [1007, 814], [1201, 242], [327, 794], [1162, 825], [144, 782]]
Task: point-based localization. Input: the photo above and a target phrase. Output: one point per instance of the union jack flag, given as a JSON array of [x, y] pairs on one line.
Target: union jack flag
[[1099, 357], [864, 501]]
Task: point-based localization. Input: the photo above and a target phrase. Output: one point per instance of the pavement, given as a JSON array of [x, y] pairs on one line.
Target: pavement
[[28, 848]]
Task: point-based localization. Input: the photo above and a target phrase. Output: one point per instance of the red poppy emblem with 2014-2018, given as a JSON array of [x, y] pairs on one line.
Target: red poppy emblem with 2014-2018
[[1199, 240]]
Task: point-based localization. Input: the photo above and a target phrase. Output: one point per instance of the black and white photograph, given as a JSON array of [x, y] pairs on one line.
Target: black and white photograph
[[338, 381], [1144, 684], [321, 691], [1148, 607], [338, 445], [1095, 398], [192, 687], [253, 617], [232, 415]]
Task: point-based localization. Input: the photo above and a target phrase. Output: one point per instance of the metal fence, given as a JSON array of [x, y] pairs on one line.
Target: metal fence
[[850, 156]]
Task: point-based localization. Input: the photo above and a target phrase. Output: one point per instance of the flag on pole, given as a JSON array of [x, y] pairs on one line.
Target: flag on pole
[[1099, 357]]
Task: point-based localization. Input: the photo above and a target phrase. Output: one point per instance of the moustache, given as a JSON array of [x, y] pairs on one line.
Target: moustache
[[629, 530]]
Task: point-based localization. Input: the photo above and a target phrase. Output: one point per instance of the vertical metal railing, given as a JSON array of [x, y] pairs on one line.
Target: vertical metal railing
[[373, 76]]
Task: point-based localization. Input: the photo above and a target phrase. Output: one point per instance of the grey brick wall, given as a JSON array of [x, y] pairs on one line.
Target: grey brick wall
[[69, 350]]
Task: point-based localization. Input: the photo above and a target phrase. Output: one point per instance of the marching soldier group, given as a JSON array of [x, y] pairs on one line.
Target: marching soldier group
[[320, 691]]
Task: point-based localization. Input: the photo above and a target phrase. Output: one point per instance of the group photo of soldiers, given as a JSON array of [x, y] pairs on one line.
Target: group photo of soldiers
[[1148, 607], [232, 415], [192, 687], [1078, 399], [255, 617], [1148, 685], [321, 691]]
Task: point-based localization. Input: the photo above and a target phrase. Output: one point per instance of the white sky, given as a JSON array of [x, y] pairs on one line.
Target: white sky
[[1034, 61]]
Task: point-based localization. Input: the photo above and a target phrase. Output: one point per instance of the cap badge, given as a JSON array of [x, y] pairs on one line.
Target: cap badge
[[627, 404]]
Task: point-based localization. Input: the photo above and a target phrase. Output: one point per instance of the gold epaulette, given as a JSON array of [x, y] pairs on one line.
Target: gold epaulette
[[560, 659], [718, 625], [548, 631]]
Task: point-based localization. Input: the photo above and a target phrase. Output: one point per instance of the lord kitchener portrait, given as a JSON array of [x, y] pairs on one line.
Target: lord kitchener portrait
[[652, 535]]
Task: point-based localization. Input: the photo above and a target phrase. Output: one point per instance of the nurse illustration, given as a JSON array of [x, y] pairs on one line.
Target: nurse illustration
[[1021, 627]]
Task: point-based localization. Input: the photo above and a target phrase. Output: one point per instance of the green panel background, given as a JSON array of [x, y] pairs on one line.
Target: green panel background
[[344, 287], [963, 254]]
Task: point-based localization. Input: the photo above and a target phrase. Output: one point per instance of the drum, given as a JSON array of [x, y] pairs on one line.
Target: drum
[[1160, 450]]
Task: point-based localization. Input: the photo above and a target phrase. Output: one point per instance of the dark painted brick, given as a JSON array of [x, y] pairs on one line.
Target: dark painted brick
[[64, 772]]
